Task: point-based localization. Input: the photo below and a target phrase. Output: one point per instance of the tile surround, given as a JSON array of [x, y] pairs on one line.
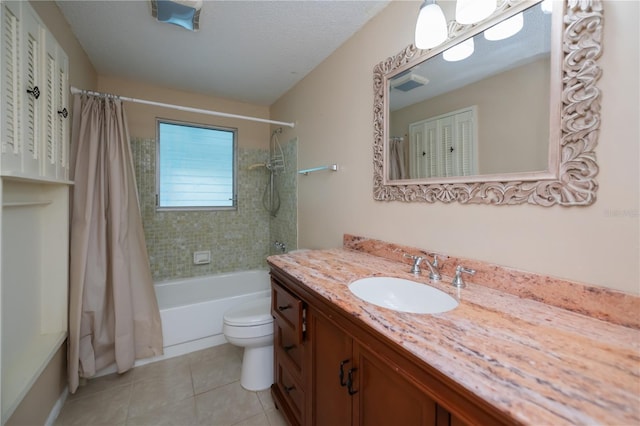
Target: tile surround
[[238, 240]]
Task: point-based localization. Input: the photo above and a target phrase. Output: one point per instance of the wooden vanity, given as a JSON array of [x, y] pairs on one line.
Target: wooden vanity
[[496, 359]]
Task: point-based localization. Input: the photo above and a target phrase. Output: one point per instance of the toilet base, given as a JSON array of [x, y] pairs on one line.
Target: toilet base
[[257, 368]]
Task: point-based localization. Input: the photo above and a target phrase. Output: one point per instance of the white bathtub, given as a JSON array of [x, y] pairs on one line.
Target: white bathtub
[[192, 309]]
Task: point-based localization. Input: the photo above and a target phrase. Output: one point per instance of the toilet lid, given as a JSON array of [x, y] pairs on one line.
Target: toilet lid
[[255, 312]]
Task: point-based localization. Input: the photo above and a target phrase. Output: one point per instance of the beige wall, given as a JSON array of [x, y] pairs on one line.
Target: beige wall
[[514, 102], [37, 404], [332, 107], [142, 118]]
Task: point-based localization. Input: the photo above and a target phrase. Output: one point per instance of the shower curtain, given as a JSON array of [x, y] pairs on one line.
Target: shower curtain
[[113, 312], [397, 157]]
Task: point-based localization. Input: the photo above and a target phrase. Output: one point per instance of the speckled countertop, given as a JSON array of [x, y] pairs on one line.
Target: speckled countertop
[[540, 364]]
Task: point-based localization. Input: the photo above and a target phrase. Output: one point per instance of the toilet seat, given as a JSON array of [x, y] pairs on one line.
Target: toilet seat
[[251, 314]]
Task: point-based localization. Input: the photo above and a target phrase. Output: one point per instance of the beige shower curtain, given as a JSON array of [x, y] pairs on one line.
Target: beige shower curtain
[[113, 312]]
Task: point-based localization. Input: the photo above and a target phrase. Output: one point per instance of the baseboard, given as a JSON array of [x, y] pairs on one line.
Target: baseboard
[[57, 407]]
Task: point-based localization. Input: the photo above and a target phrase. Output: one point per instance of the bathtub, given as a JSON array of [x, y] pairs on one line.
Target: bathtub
[[192, 309]]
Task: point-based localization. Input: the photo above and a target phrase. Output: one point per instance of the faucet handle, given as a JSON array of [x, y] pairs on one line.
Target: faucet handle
[[457, 280]]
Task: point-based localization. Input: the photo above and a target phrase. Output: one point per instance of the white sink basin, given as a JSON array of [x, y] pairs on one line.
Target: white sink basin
[[403, 295]]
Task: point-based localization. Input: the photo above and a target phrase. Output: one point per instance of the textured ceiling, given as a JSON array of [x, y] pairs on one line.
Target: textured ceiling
[[251, 51]]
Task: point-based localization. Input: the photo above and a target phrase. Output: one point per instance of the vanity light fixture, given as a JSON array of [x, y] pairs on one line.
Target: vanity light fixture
[[505, 29], [472, 11], [431, 27], [184, 13], [459, 51]]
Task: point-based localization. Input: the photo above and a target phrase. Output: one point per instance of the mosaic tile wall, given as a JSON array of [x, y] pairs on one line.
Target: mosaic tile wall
[[238, 240], [284, 226]]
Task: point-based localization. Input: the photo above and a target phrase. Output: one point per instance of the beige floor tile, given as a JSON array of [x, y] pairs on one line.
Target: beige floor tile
[[180, 413], [108, 407], [257, 420], [227, 405], [162, 369], [275, 418], [156, 394], [266, 400], [220, 351], [215, 371], [102, 383]]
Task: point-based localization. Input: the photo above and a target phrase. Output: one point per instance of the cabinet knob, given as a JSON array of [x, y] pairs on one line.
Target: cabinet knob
[[284, 308], [64, 113], [288, 389], [35, 92]]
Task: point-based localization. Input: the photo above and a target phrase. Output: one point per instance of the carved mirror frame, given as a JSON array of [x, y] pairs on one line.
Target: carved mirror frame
[[570, 179]]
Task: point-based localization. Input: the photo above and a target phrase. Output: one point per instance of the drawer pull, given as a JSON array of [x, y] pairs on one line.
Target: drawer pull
[[341, 373], [350, 381], [288, 389], [284, 308], [287, 348]]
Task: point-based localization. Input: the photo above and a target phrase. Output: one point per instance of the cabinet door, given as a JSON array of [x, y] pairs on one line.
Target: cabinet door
[[54, 125], [32, 45], [385, 397], [331, 351], [10, 107]]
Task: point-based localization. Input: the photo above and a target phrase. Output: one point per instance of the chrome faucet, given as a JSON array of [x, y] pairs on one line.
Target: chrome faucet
[[434, 268], [415, 269], [434, 272], [457, 280]]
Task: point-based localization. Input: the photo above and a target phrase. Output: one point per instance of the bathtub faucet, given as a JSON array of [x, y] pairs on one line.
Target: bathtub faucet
[[280, 246]]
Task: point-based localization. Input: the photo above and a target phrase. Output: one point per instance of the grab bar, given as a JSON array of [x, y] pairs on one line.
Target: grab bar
[[332, 167]]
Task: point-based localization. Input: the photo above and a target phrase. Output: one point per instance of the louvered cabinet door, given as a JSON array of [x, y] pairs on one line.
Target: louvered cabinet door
[[10, 83], [55, 130], [32, 91]]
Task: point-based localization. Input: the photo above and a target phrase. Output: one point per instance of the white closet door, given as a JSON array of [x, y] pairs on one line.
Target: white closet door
[[444, 145]]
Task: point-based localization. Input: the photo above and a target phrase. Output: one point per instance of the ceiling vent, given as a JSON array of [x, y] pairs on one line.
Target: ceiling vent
[[184, 13], [409, 81]]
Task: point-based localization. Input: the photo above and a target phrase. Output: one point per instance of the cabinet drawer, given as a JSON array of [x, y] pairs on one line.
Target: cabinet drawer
[[291, 389], [287, 309], [288, 346]]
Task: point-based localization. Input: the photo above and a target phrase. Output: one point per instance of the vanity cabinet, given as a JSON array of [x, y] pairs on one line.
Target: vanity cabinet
[[352, 385], [332, 369]]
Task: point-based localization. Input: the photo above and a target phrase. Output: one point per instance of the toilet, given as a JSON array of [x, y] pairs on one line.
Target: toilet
[[250, 325]]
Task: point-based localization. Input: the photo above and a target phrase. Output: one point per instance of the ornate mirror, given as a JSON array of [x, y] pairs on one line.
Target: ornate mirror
[[509, 120]]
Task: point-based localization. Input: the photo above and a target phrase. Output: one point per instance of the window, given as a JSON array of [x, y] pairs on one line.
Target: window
[[195, 167]]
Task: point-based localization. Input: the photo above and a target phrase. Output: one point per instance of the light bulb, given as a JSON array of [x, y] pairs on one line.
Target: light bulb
[[505, 29], [431, 27], [460, 51], [472, 11]]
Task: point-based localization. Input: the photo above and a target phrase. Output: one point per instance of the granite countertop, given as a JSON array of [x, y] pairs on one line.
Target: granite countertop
[[537, 363]]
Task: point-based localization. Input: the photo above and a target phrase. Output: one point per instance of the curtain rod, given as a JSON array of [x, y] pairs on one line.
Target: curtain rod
[[75, 90]]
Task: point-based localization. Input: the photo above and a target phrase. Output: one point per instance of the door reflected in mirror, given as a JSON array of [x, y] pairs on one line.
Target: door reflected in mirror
[[480, 107]]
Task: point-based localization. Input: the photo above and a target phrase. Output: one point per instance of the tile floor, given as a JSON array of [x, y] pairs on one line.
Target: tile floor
[[200, 388]]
